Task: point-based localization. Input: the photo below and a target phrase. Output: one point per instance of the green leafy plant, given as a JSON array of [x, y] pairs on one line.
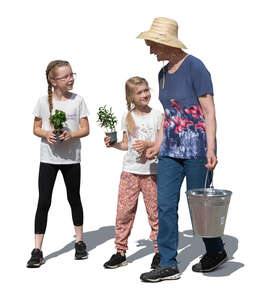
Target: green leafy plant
[[58, 119], [106, 118]]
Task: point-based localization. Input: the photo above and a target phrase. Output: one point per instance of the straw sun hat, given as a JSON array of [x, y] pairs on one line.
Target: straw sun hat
[[163, 31]]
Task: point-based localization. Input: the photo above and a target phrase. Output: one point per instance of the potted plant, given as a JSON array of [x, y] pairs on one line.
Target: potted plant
[[107, 119], [57, 120]]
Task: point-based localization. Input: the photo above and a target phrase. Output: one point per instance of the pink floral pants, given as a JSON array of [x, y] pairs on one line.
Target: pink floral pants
[[129, 189]]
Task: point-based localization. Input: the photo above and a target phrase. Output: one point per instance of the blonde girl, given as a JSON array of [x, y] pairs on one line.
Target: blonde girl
[[140, 127], [55, 156]]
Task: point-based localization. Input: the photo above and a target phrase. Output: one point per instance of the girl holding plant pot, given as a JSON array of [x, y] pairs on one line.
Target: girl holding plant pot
[[140, 127], [106, 119], [72, 111]]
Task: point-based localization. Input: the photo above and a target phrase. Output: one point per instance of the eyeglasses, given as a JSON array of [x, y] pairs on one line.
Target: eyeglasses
[[67, 77]]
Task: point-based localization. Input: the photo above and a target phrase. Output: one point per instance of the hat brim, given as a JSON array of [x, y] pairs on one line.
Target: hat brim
[[161, 39]]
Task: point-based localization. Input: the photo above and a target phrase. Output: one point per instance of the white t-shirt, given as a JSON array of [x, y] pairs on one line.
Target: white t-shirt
[[68, 152], [147, 127]]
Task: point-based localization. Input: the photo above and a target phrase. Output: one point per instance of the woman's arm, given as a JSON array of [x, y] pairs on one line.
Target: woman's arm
[[208, 108], [154, 150]]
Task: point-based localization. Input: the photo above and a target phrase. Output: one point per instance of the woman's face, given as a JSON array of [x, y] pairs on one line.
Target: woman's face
[[161, 51]]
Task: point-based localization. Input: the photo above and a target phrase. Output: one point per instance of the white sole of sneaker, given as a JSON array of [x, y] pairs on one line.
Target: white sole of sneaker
[[124, 263], [81, 258], [173, 277]]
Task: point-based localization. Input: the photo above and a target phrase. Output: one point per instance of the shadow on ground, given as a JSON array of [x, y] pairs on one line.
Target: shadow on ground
[[91, 238], [190, 248]]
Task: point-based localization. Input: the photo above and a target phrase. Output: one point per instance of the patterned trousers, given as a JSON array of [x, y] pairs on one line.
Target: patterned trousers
[[129, 189]]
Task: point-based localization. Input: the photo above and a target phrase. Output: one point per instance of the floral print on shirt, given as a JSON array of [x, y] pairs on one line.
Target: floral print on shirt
[[184, 132]]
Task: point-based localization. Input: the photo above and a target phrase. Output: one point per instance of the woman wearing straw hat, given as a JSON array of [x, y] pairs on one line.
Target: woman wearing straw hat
[[186, 146]]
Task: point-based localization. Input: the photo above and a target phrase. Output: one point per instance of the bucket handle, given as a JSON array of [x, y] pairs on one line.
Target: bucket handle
[[211, 184]]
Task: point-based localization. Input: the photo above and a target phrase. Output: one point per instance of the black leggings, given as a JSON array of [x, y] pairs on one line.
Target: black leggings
[[47, 176]]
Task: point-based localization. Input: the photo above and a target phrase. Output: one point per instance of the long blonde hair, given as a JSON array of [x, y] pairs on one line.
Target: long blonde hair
[[130, 88], [50, 74]]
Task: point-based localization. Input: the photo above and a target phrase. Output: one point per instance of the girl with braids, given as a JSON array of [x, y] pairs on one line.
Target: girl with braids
[[63, 156], [140, 127]]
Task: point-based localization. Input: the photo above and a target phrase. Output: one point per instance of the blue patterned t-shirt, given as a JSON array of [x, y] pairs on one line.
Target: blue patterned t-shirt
[[184, 134]]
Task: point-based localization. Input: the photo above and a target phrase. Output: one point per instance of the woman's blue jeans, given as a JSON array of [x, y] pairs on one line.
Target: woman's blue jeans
[[171, 173]]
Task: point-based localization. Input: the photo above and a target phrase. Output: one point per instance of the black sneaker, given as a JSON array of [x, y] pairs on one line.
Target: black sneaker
[[155, 261], [80, 250], [161, 273], [210, 262], [36, 259], [116, 260]]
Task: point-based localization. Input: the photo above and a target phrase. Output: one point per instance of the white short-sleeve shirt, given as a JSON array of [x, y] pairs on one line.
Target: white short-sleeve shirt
[[147, 127], [68, 152]]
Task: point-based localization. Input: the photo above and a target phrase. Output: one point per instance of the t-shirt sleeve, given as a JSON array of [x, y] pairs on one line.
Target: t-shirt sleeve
[[84, 112], [201, 79], [123, 122], [37, 109]]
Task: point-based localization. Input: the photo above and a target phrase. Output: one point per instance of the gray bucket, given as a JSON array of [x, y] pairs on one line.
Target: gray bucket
[[208, 210]]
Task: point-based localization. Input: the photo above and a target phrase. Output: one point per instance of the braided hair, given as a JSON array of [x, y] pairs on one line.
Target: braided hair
[[50, 74]]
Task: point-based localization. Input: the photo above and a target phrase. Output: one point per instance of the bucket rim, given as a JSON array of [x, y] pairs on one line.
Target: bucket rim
[[215, 192]]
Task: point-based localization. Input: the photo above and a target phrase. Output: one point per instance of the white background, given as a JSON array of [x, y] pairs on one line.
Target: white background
[[99, 40]]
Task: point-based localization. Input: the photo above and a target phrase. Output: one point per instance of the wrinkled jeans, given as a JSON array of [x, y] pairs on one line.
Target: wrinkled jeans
[[171, 173]]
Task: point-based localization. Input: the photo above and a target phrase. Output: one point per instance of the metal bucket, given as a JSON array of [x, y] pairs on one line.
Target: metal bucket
[[208, 210]]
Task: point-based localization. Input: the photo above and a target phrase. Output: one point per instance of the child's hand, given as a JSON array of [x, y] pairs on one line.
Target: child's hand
[[65, 136], [140, 146], [107, 140], [152, 152], [51, 137]]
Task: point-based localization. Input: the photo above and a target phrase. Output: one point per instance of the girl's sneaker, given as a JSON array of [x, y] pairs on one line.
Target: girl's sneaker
[[155, 261], [36, 259], [116, 260], [80, 250]]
